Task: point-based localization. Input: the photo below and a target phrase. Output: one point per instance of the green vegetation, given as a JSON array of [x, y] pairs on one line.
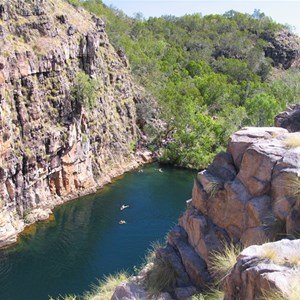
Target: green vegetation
[[103, 291], [84, 90], [213, 294], [26, 214], [160, 278], [160, 275], [209, 75]]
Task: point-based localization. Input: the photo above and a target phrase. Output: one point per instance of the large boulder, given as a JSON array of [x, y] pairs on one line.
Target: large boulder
[[289, 119], [272, 268]]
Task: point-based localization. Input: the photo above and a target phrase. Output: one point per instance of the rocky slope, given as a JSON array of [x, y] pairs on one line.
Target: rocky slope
[[249, 195], [283, 49], [68, 120]]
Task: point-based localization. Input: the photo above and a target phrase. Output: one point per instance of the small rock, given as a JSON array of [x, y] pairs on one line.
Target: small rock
[[72, 30]]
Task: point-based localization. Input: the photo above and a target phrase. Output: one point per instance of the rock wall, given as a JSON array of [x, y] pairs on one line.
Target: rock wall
[[249, 195], [54, 147]]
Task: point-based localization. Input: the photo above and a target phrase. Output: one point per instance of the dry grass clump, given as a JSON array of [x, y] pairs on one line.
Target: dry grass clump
[[68, 297], [105, 288], [213, 186], [292, 141], [222, 262], [270, 254], [102, 291], [150, 255], [291, 259], [292, 183], [160, 278]]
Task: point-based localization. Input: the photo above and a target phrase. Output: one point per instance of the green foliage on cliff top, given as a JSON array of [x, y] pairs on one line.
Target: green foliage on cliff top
[[209, 74]]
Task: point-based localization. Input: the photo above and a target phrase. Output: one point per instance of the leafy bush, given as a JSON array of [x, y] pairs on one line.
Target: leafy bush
[[84, 90]]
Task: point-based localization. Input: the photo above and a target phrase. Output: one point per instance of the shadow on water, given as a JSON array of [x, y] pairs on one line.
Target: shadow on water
[[85, 241]]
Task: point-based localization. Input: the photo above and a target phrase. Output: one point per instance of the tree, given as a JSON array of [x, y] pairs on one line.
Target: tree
[[84, 90], [261, 109]]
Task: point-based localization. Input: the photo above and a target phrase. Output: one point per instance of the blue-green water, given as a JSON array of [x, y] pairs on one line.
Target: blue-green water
[[85, 241]]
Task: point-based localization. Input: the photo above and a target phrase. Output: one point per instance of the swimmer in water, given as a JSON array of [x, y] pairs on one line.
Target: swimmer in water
[[123, 207]]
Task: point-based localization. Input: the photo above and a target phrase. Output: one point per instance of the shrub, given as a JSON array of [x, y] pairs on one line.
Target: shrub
[[84, 90]]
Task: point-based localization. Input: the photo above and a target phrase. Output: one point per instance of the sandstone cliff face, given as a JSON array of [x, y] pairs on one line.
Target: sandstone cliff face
[[52, 146], [249, 195]]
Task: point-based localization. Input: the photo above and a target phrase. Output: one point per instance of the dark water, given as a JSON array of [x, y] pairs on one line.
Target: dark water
[[85, 241]]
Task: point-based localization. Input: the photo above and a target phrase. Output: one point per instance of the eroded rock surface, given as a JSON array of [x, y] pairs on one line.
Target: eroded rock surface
[[53, 147]]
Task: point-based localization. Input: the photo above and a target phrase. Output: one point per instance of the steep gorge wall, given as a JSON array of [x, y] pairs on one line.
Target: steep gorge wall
[[52, 147]]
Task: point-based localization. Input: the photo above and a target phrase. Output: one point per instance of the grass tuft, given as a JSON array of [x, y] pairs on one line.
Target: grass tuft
[[213, 186], [270, 254], [221, 262], [105, 288], [293, 185], [292, 141], [160, 278], [274, 227], [150, 255], [213, 294], [67, 297]]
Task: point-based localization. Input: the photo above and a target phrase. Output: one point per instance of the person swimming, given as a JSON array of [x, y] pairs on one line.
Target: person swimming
[[124, 206]]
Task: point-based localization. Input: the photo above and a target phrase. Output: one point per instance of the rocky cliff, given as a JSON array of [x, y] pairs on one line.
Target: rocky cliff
[[68, 120], [249, 195], [283, 49]]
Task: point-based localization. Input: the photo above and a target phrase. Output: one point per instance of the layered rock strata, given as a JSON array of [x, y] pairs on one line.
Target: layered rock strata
[[249, 195], [54, 146]]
